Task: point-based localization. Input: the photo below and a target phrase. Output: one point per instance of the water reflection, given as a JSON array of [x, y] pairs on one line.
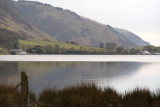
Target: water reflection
[[121, 75], [8, 72]]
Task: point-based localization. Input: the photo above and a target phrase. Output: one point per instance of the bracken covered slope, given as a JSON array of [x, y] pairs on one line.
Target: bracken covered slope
[[14, 26]]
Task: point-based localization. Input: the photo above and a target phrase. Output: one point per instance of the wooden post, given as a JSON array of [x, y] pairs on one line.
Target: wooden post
[[24, 88]]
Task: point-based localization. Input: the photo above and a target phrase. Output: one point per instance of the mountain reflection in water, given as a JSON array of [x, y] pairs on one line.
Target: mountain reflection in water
[[120, 75]]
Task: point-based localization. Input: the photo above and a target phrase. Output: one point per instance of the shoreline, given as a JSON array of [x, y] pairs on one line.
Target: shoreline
[[81, 58]]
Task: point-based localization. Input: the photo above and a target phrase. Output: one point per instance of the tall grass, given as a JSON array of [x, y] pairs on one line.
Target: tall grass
[[88, 95], [11, 97], [84, 95], [141, 98]]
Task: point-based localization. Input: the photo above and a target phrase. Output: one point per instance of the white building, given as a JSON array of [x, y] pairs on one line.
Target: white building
[[144, 52], [18, 51]]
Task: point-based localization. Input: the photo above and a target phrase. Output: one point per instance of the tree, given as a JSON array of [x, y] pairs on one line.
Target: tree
[[13, 53], [72, 42], [67, 41], [110, 47], [72, 50], [38, 49], [101, 45], [57, 48], [63, 50], [121, 50], [49, 49], [133, 51], [15, 46], [149, 48]]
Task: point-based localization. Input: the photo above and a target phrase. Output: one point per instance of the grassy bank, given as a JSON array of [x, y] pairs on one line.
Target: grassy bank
[[84, 95], [2, 51]]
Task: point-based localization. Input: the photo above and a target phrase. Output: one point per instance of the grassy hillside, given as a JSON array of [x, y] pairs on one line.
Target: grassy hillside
[[61, 46], [66, 25], [2, 51]]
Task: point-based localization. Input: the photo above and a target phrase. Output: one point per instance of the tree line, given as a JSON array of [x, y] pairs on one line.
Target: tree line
[[56, 49], [108, 48], [112, 48], [104, 49]]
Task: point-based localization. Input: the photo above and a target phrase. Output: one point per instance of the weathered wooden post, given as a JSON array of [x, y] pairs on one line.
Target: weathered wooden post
[[24, 88]]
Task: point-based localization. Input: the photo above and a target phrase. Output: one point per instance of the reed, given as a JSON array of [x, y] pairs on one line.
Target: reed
[[11, 97], [83, 95], [89, 95]]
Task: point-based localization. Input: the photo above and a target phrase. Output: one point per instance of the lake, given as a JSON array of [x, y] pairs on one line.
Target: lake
[[119, 74]]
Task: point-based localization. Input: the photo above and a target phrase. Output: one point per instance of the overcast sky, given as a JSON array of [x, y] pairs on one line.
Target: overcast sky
[[139, 16]]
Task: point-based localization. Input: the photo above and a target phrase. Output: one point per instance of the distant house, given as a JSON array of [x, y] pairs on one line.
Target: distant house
[[18, 51], [144, 52]]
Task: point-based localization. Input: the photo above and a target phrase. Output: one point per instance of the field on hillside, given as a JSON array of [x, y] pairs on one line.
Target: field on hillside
[[28, 44], [2, 51]]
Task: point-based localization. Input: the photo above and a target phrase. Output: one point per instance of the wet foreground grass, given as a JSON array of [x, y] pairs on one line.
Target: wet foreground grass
[[11, 97], [84, 95]]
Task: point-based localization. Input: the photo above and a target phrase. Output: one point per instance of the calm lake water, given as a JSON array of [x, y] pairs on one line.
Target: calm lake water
[[119, 75]]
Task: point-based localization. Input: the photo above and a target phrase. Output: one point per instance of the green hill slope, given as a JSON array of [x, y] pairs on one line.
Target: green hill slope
[[65, 25], [53, 47]]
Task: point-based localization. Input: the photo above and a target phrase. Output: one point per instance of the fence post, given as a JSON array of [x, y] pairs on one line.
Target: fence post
[[24, 88]]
